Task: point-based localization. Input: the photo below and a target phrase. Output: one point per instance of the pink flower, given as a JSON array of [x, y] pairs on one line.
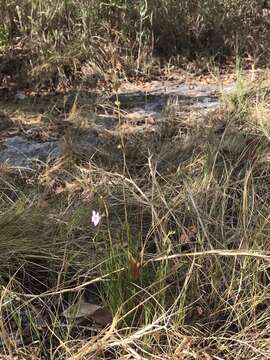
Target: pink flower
[[95, 217]]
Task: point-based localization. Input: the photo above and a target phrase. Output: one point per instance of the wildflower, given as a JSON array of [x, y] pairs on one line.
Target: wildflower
[[95, 217]]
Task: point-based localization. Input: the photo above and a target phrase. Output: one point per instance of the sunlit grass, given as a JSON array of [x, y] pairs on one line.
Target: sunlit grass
[[180, 254], [89, 41]]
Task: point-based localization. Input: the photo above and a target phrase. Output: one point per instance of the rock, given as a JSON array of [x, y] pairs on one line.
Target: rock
[[80, 309], [107, 122], [20, 95], [180, 96], [19, 151]]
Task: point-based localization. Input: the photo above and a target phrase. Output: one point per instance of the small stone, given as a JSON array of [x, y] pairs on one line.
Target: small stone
[[20, 95]]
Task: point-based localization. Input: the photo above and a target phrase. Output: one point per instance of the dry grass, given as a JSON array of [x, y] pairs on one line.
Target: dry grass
[[63, 44], [181, 255]]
